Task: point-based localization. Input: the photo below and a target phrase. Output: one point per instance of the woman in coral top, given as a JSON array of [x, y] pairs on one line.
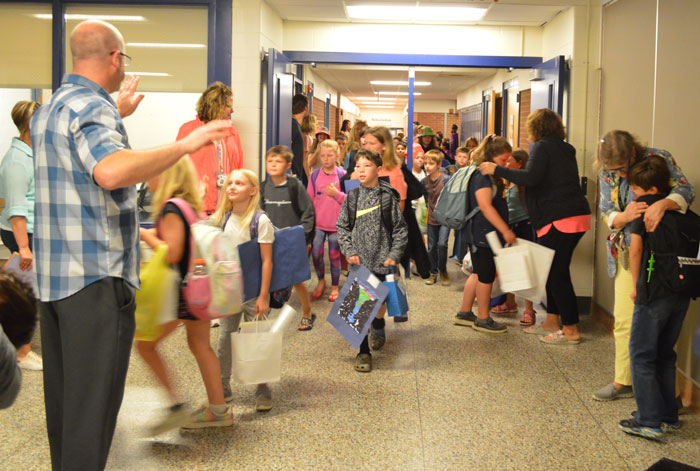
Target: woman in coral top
[[217, 160], [559, 213]]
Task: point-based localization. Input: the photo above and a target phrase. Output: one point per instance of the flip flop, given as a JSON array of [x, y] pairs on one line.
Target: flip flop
[[558, 338], [306, 323], [315, 296], [333, 296]]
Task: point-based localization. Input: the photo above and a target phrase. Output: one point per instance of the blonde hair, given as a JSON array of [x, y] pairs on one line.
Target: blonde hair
[[178, 181], [225, 204], [383, 135], [308, 124], [434, 156], [22, 113], [330, 144], [353, 141], [212, 102]]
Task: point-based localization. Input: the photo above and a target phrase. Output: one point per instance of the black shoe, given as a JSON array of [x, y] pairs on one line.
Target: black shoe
[[403, 318], [377, 338], [489, 326], [465, 318]]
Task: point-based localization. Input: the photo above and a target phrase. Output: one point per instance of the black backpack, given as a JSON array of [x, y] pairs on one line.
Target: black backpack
[[672, 252], [388, 196]]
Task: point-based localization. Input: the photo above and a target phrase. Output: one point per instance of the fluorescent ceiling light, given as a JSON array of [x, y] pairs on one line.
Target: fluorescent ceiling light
[[170, 45], [397, 93], [80, 17], [377, 106], [385, 103], [148, 74], [398, 82], [415, 13], [375, 98]]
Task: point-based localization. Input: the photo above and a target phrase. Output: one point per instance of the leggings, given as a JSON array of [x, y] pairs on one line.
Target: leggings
[[333, 254]]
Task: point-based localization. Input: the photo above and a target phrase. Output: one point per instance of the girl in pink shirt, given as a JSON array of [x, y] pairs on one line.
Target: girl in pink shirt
[[324, 190]]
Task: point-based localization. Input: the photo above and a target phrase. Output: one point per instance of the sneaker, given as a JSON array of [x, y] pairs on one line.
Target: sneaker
[[228, 394], [633, 428], [610, 393], [432, 279], [263, 399], [445, 277], [489, 325], [377, 338], [206, 417], [32, 362], [363, 363], [665, 426], [175, 417], [403, 318], [465, 318]]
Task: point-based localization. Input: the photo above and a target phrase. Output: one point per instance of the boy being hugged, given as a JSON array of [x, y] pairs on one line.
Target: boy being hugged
[[280, 193], [437, 234], [659, 309], [365, 239]]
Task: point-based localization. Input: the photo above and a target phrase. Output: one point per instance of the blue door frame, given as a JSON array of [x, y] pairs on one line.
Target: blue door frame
[[547, 91], [407, 60], [219, 32]]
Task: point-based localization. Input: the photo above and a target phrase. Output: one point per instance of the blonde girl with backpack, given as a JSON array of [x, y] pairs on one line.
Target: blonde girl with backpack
[[234, 215], [172, 229]]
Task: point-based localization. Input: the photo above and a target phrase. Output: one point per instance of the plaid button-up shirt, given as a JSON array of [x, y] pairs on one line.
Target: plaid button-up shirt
[[82, 232]]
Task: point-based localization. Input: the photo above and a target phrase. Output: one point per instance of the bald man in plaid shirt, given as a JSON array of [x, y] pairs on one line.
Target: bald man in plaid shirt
[[86, 241]]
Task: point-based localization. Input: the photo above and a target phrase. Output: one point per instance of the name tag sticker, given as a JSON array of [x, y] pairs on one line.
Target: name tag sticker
[[373, 280]]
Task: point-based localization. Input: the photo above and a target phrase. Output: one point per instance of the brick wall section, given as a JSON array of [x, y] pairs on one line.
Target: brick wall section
[[524, 141], [333, 123], [319, 111], [452, 118], [437, 121]]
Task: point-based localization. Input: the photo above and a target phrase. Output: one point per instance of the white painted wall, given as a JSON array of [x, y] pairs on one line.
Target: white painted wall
[[8, 130], [380, 117], [321, 87], [415, 39], [349, 106], [472, 95], [434, 106]]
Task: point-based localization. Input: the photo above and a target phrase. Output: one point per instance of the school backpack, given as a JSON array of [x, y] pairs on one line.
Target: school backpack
[[388, 195], [211, 289], [314, 176], [452, 207], [672, 252], [293, 184]]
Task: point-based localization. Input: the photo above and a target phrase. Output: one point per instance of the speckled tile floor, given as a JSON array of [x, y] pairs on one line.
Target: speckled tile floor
[[441, 397]]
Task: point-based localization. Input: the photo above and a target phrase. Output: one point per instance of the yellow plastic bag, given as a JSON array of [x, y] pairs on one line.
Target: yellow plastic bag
[[157, 300]]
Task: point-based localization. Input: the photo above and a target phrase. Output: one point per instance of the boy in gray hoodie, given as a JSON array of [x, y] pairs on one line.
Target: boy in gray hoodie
[[372, 232]]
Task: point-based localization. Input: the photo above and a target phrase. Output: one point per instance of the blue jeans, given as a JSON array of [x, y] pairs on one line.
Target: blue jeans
[[437, 247], [655, 330]]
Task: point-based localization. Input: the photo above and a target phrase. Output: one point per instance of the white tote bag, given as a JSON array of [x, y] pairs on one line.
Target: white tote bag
[[257, 353]]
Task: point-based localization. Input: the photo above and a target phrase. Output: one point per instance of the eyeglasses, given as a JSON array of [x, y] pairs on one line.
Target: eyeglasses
[[127, 58], [619, 170]]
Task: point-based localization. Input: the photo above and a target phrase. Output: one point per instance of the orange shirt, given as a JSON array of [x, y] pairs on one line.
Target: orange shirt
[[570, 225], [206, 159], [396, 180]]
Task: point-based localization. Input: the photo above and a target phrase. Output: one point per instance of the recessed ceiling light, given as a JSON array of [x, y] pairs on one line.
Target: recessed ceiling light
[[398, 82], [397, 93], [81, 17], [148, 74], [170, 45], [415, 12], [375, 98]]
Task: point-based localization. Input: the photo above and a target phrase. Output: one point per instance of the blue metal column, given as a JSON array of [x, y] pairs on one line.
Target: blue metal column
[[409, 118]]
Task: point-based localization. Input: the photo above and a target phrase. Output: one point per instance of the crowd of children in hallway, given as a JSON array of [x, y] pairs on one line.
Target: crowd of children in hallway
[[383, 224]]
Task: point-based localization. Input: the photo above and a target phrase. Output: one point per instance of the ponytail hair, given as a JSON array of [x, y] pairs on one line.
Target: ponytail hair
[[489, 148]]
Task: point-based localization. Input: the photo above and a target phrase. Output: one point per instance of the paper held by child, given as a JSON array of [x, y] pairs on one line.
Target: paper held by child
[[528, 277]]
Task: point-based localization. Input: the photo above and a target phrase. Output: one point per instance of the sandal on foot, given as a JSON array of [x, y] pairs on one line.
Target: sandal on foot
[[536, 330], [363, 363], [333, 296], [558, 338], [529, 317], [307, 323], [505, 309], [316, 295]]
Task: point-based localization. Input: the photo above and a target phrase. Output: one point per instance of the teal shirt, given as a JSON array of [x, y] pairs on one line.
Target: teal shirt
[[516, 211], [17, 185]]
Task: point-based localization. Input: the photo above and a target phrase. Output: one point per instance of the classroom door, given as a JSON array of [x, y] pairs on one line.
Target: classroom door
[[280, 90], [548, 87]]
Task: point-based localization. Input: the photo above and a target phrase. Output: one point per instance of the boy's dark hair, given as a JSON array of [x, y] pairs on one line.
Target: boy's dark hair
[[370, 155], [652, 171], [299, 102], [341, 136], [18, 314], [282, 151], [463, 150]]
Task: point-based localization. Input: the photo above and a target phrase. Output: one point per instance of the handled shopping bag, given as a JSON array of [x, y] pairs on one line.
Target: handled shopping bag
[[157, 300], [396, 300], [290, 262], [357, 305], [256, 353]]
